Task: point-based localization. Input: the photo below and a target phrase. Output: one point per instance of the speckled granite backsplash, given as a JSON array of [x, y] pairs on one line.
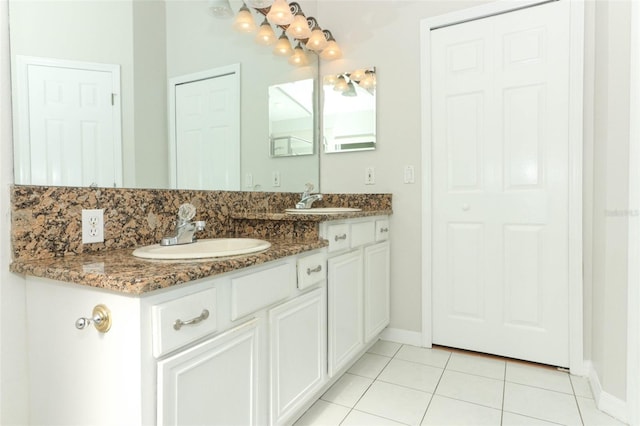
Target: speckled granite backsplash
[[46, 221]]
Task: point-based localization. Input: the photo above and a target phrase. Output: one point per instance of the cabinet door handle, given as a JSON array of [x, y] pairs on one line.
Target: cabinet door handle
[[340, 237], [383, 230], [316, 269], [203, 316]]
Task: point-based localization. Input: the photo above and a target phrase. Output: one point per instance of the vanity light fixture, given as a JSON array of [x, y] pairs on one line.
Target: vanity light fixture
[[244, 22], [283, 46], [298, 58], [265, 35], [317, 41], [299, 27], [280, 13], [220, 8], [295, 27], [331, 50]]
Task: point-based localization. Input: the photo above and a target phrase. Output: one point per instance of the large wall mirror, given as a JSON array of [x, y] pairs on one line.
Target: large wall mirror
[[150, 44]]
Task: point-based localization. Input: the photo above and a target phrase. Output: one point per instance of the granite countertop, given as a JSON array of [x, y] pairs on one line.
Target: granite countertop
[[118, 270]]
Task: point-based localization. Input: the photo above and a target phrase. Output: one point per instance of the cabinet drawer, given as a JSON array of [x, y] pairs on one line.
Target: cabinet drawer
[[382, 230], [311, 270], [257, 290], [362, 233], [338, 236], [184, 320]]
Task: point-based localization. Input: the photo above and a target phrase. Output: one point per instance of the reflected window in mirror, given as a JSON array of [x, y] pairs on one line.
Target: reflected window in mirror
[[291, 119], [349, 111]]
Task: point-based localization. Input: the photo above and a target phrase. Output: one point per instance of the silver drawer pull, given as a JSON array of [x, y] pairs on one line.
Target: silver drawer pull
[[383, 230], [203, 316], [316, 269], [340, 237]]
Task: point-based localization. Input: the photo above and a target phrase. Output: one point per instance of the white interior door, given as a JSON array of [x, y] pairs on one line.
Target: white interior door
[[68, 123], [500, 184], [207, 133]]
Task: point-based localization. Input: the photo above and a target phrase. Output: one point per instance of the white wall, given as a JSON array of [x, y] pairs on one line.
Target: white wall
[[610, 196], [385, 34], [13, 369]]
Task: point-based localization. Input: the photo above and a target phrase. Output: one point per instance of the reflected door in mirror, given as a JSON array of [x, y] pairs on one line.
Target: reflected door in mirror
[[68, 129], [207, 133]]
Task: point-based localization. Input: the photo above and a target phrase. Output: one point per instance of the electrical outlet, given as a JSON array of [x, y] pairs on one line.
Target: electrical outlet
[[275, 179], [369, 176], [92, 226]]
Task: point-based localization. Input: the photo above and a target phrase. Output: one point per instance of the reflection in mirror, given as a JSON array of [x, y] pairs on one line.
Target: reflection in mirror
[[152, 43], [349, 111], [291, 118]]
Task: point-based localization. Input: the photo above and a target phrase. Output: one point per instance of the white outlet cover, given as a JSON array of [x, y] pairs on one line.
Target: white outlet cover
[[92, 226]]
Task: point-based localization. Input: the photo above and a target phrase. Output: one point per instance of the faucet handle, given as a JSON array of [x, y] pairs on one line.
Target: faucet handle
[[308, 187], [186, 212]]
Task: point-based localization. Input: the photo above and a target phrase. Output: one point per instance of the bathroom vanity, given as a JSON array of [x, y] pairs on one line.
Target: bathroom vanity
[[252, 340]]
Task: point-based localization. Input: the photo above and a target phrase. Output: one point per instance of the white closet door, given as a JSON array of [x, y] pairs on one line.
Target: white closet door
[[208, 133], [500, 184]]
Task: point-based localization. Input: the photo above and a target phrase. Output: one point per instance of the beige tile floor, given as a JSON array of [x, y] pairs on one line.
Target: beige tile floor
[[396, 384]]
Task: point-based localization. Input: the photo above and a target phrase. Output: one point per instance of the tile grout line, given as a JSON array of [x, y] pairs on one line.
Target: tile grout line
[[368, 387], [436, 388], [575, 397]]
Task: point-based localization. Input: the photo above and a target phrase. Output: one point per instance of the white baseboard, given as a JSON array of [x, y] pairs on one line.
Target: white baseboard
[[606, 402], [399, 335]]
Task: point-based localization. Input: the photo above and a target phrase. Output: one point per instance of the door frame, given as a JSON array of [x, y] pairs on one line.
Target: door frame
[[189, 78], [633, 280], [21, 136], [576, 357]]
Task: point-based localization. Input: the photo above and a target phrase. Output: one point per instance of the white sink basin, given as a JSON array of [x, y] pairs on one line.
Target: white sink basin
[[323, 210], [202, 249]]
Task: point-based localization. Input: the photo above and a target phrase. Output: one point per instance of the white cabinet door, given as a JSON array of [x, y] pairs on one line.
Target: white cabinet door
[[298, 353], [376, 289], [212, 383], [345, 316]]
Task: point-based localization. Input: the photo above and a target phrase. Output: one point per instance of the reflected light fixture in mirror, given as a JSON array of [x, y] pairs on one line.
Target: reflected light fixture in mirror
[[220, 8], [259, 4], [265, 35], [244, 22]]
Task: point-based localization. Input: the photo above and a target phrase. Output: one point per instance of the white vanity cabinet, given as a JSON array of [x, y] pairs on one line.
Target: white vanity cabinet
[[243, 348], [357, 286]]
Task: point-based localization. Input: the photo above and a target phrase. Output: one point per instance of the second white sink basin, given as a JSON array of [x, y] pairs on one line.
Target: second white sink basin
[[202, 249], [323, 210]]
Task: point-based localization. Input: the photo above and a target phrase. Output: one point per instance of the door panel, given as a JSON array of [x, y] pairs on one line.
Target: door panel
[[500, 184]]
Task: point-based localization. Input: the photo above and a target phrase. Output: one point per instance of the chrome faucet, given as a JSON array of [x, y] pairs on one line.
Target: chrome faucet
[[308, 198], [185, 228]]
